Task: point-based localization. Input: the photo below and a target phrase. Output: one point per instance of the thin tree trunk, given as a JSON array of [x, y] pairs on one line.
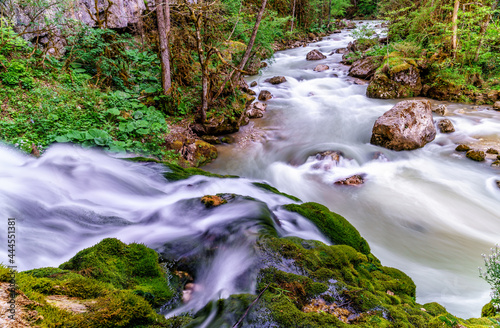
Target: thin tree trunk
[[236, 73], [329, 13], [163, 18], [293, 15], [454, 28], [484, 27], [251, 42]]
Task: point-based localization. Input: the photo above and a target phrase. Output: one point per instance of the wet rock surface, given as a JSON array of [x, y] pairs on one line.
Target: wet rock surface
[[315, 55], [445, 126], [265, 95], [408, 125]]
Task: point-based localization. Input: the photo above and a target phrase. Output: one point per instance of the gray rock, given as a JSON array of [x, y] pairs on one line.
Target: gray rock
[[265, 95], [401, 81], [321, 68], [408, 125], [315, 55], [441, 110], [445, 126], [276, 80], [365, 68], [256, 110]]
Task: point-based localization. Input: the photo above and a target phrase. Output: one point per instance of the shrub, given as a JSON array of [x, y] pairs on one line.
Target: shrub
[[491, 274]]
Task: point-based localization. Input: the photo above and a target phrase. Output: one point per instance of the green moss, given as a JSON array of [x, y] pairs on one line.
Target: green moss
[[179, 173], [335, 227], [124, 266], [267, 187], [434, 308], [176, 172], [5, 273], [489, 310]]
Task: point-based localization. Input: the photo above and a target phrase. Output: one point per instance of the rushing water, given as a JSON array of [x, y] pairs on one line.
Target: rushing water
[[71, 198], [429, 212]]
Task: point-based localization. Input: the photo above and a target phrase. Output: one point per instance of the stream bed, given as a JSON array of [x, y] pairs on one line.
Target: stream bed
[[429, 212]]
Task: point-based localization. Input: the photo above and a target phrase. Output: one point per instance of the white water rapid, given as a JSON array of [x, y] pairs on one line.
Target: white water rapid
[[72, 198], [429, 212]]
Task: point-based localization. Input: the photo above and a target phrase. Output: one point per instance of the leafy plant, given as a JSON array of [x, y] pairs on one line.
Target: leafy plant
[[491, 274]]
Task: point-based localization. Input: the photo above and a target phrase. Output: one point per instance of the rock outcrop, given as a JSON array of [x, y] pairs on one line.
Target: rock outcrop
[[365, 68], [315, 55], [400, 81], [408, 125]]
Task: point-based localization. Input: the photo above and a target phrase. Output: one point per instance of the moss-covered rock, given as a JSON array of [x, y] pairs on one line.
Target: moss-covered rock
[[397, 77], [334, 226], [489, 310], [123, 266], [110, 284], [270, 188]]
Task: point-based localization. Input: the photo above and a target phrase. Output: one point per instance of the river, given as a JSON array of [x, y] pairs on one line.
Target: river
[[429, 212]]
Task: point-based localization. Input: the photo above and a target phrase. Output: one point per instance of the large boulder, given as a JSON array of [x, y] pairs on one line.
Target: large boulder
[[315, 55], [400, 81], [366, 67], [406, 126]]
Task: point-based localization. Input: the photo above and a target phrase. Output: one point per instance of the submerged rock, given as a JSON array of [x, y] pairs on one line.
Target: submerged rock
[[462, 147], [265, 95], [315, 55], [476, 155], [365, 68], [408, 125], [445, 126], [276, 80], [213, 200], [330, 155], [491, 151], [354, 180], [321, 68]]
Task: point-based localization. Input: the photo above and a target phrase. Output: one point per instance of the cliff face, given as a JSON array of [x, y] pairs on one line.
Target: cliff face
[[47, 23]]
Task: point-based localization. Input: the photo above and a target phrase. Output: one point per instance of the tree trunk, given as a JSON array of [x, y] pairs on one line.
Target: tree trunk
[[293, 15], [454, 28], [251, 42], [163, 19], [329, 13], [236, 73]]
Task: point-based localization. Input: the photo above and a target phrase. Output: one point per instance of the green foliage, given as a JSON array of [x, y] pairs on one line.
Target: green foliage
[[491, 274], [368, 7], [110, 59], [334, 226], [5, 273]]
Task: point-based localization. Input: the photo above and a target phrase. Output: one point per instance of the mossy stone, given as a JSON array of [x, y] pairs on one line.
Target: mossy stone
[[334, 226], [489, 310], [270, 188]]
